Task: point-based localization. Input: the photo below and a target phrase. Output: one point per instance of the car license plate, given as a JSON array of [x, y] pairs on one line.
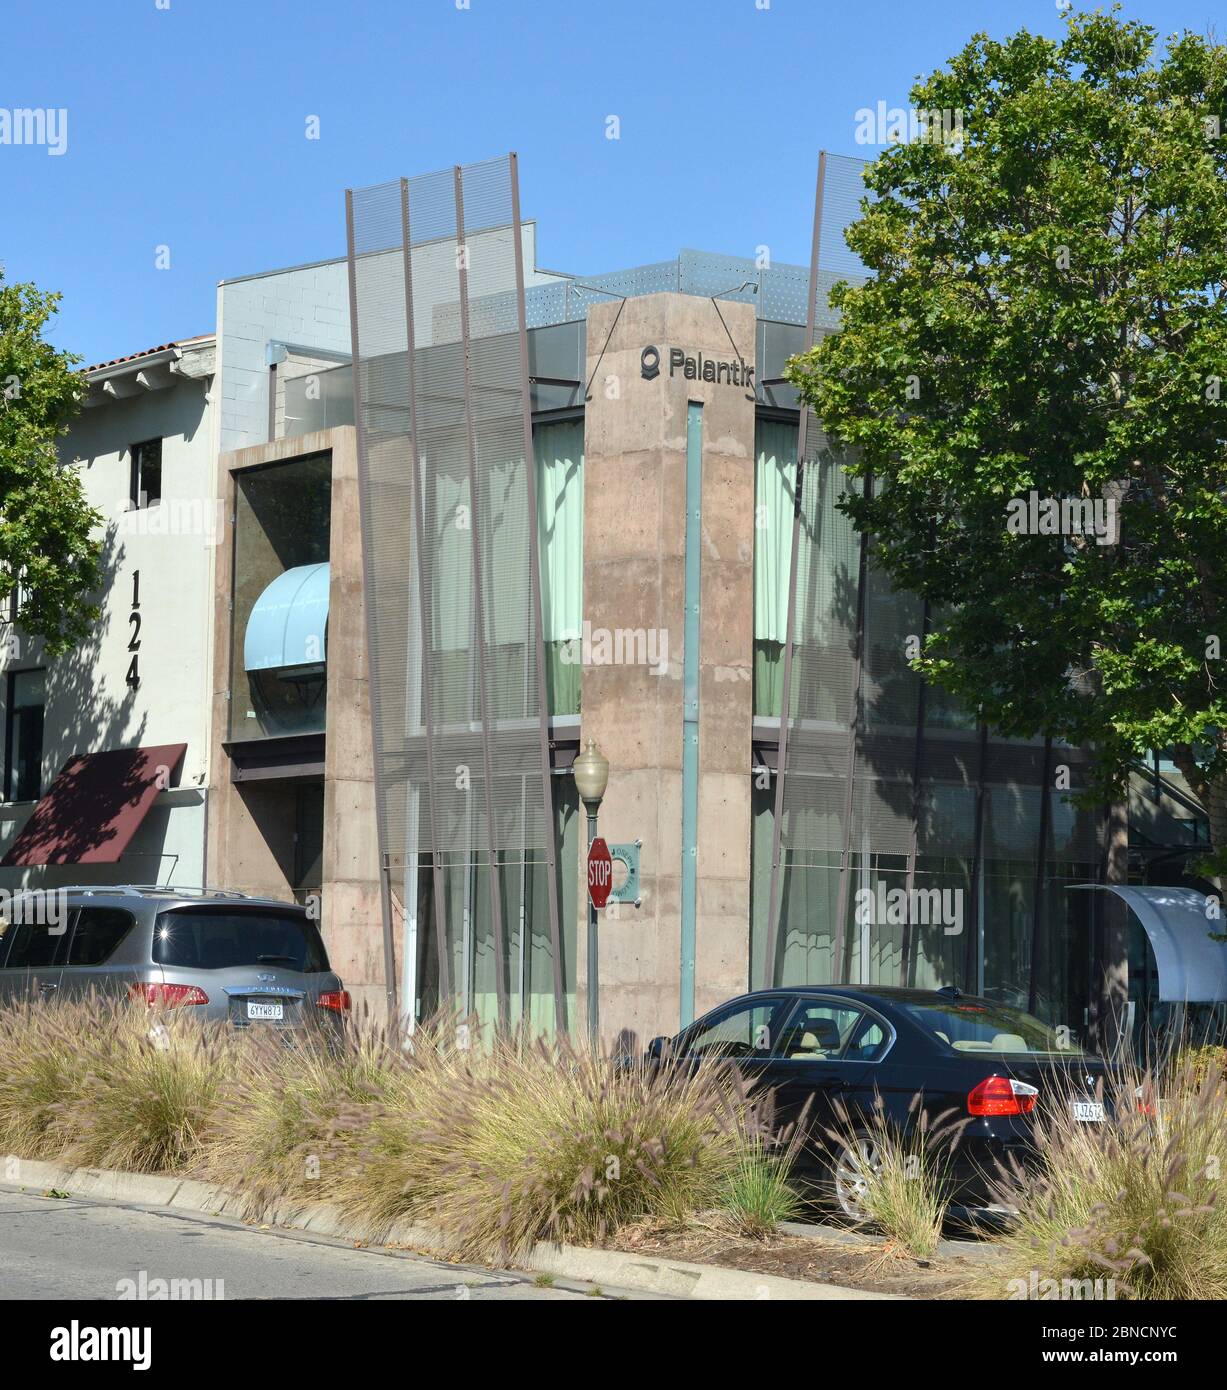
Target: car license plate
[[1089, 1111], [275, 1012]]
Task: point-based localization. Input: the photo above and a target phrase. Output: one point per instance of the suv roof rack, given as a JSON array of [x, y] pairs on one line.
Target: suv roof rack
[[166, 889], [175, 891]]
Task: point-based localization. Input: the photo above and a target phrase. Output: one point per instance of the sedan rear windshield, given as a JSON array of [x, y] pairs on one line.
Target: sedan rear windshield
[[979, 1025], [219, 939]]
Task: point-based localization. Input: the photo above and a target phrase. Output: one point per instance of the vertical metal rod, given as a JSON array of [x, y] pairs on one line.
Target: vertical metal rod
[[424, 613], [594, 974], [538, 614], [1040, 865], [781, 761], [854, 725], [691, 638], [364, 506], [496, 902], [389, 946], [914, 828], [973, 951]]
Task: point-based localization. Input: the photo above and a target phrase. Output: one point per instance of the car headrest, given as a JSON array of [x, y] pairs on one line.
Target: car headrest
[[825, 1033]]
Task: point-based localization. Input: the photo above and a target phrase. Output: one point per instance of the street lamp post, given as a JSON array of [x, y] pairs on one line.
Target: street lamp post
[[591, 772]]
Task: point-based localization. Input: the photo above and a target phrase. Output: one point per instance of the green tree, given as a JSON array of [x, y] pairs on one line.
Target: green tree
[[1046, 314], [45, 522]]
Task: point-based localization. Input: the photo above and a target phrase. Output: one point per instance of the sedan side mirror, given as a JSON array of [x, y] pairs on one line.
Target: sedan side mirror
[[658, 1048]]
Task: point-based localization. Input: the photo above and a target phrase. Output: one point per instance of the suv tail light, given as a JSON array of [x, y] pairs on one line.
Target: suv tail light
[[1000, 1095], [168, 996], [335, 999]]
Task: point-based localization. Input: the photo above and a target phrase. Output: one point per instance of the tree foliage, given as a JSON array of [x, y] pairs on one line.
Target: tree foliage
[[45, 522], [1046, 314]]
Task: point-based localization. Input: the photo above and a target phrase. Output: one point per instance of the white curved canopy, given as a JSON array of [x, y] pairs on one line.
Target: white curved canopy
[[1192, 968]]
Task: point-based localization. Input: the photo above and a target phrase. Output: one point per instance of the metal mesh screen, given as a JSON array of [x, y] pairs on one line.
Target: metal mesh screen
[[881, 778], [450, 544]]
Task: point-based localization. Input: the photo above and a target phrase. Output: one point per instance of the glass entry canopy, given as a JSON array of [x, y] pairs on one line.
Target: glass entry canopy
[[1178, 923]]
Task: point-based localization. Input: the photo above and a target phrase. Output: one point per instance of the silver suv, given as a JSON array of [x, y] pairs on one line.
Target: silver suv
[[228, 956]]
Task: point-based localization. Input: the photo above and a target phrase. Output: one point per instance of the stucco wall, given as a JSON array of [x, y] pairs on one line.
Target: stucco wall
[[89, 706]]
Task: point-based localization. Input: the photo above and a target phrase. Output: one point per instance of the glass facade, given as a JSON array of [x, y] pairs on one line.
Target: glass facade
[[319, 400], [472, 954], [912, 850]]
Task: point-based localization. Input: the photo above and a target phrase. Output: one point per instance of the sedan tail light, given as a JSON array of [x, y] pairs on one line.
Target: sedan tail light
[[1001, 1095], [168, 996], [335, 999]]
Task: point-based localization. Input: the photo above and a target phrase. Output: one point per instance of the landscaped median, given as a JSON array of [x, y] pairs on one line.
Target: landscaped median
[[544, 1156], [602, 1268]]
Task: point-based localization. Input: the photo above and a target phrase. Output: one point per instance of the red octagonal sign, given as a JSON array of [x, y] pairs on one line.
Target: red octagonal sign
[[600, 872]]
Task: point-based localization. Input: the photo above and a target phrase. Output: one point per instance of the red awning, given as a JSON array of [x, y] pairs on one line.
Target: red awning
[[95, 806]]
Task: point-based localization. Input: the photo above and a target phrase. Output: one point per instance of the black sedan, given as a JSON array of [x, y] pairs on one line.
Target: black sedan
[[827, 1054]]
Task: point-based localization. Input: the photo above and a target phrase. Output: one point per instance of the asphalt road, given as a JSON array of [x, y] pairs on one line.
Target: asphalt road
[[77, 1248]]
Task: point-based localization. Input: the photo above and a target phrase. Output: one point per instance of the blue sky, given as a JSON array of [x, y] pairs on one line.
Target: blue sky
[[186, 127]]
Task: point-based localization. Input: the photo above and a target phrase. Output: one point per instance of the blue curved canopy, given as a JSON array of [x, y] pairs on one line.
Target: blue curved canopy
[[289, 624], [1192, 967]]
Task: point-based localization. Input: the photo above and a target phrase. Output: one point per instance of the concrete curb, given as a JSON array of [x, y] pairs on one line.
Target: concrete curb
[[977, 1251], [680, 1279], [615, 1268]]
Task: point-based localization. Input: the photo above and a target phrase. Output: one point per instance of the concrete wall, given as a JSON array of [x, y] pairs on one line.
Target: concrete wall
[[306, 305], [251, 824], [634, 577], [90, 707]]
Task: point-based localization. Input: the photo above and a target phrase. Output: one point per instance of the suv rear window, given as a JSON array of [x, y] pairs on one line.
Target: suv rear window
[[223, 939], [979, 1025]]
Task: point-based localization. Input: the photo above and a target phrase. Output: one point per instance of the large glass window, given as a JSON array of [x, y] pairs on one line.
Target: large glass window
[[520, 880], [809, 887], [23, 773], [559, 448], [279, 635], [775, 476]]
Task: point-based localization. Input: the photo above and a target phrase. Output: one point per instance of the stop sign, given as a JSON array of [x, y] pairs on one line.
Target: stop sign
[[600, 872]]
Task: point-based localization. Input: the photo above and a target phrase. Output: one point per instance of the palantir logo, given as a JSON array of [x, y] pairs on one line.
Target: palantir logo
[[649, 363]]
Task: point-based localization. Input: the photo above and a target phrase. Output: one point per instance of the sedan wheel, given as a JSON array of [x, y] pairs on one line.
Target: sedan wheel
[[856, 1165]]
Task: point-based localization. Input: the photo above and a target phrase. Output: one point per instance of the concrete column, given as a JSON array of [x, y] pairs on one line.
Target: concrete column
[[352, 919], [634, 580]]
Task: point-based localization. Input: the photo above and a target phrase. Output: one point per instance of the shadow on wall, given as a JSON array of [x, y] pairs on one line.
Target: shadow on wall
[[86, 710]]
